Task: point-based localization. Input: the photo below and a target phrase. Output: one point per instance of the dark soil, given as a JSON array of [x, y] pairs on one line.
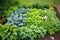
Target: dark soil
[[3, 20], [57, 9]]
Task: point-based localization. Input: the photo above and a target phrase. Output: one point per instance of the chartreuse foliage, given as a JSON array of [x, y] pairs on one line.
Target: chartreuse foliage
[[44, 18]]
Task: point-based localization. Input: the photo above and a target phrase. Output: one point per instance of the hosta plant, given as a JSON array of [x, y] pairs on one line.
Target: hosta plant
[[17, 17]]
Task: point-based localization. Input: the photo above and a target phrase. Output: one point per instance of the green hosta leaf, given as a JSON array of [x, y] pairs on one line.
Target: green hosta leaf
[[15, 33]]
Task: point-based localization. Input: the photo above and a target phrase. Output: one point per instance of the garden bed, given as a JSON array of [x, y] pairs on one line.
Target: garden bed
[[31, 23], [29, 20]]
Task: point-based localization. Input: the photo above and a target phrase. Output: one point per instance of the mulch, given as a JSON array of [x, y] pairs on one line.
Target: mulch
[[57, 9]]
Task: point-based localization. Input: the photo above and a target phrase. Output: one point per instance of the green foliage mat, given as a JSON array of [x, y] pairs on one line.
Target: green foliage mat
[[37, 23], [44, 18]]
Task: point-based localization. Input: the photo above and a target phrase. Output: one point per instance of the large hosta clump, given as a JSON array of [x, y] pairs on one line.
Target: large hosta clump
[[17, 17]]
